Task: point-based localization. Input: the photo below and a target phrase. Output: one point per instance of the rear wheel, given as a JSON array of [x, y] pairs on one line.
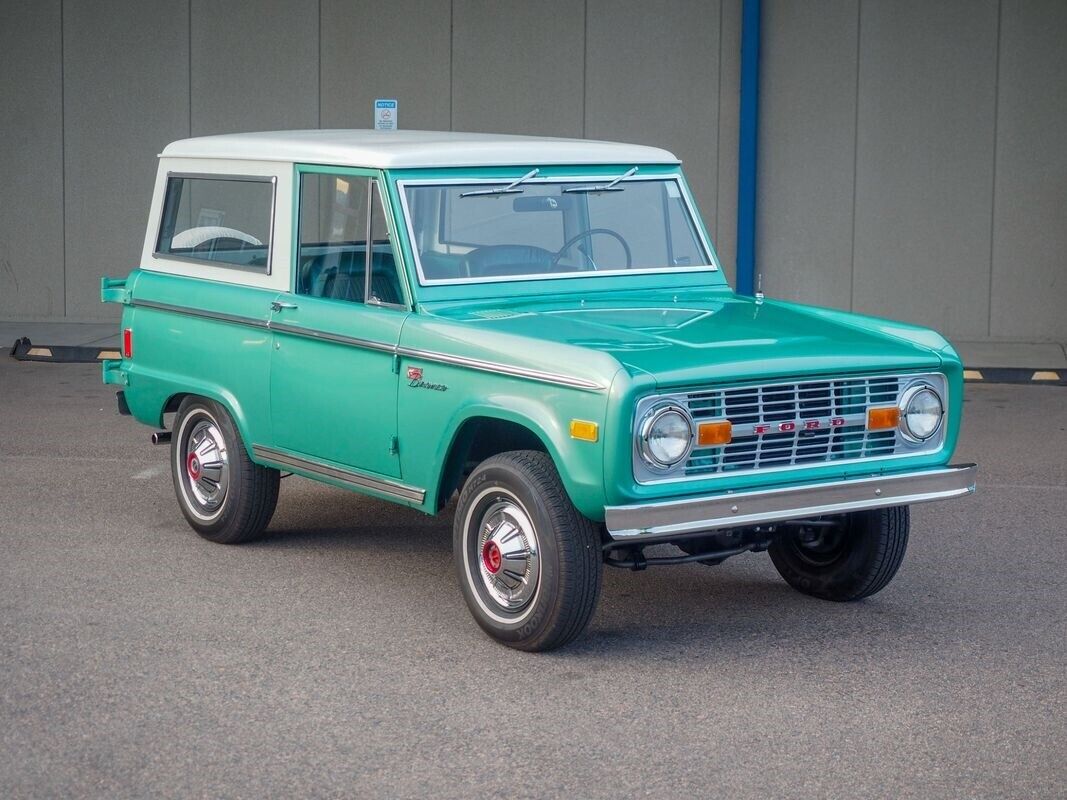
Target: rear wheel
[[225, 497], [529, 564], [844, 558]]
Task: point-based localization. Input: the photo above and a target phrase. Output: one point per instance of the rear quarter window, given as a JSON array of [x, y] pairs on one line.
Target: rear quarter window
[[223, 221]]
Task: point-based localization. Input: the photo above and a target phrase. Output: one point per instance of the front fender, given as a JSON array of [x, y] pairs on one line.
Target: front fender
[[546, 411]]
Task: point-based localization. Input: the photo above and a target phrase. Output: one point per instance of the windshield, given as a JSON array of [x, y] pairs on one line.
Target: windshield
[[529, 228]]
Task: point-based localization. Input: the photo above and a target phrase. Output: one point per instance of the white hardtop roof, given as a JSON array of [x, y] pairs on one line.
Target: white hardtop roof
[[402, 149]]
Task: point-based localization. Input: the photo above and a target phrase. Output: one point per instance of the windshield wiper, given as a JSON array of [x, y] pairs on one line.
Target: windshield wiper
[[603, 187], [511, 188]]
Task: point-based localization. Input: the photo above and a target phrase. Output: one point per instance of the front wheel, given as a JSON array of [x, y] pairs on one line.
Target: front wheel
[[844, 558], [529, 563]]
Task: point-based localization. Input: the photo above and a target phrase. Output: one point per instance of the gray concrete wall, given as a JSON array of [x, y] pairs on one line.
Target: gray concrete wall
[[32, 274], [913, 161], [93, 91]]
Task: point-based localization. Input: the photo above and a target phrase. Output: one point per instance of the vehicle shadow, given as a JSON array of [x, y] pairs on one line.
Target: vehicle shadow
[[668, 613]]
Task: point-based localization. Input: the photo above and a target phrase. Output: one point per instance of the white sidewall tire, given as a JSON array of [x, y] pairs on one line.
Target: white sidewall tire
[[570, 560]]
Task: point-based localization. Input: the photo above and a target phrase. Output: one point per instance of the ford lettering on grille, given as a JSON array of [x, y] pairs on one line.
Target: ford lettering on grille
[[789, 427]]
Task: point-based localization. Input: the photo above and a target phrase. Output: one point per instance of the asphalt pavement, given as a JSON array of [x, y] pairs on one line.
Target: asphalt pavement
[[336, 658]]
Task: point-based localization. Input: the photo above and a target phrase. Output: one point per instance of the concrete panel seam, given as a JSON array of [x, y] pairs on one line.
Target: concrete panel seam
[[189, 49], [451, 64], [993, 198], [718, 144], [855, 159], [585, 64], [718, 152], [63, 151], [320, 66]]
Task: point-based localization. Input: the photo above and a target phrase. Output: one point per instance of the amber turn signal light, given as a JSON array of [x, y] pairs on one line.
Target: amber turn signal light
[[584, 430], [713, 433], [882, 419]]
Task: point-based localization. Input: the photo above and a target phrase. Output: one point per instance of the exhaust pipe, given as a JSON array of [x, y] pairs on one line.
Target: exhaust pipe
[[160, 437]]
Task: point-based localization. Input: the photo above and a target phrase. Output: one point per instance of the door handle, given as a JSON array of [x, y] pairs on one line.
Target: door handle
[[278, 305]]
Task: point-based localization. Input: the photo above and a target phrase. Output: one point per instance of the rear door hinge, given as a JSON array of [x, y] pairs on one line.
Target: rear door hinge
[[394, 446]]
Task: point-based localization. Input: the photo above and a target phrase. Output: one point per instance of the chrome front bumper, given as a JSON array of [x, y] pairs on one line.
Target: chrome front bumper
[[651, 522]]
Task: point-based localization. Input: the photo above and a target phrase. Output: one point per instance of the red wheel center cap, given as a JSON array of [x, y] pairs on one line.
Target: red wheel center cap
[[491, 557], [193, 465]]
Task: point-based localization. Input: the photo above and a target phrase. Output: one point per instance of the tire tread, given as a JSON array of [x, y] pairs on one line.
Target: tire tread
[[884, 531], [580, 559], [256, 496]]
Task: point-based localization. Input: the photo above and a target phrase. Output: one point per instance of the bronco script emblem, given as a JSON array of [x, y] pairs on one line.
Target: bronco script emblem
[[416, 382]]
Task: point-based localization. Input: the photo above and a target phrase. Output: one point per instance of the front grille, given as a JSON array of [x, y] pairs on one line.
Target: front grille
[[822, 420], [801, 423]]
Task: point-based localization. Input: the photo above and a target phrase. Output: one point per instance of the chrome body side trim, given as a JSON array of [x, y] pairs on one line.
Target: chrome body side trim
[[500, 369], [664, 521], [397, 350], [201, 313], [337, 338], [357, 480]]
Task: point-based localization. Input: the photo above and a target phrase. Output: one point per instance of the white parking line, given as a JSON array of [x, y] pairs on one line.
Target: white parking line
[[1037, 487], [151, 472]]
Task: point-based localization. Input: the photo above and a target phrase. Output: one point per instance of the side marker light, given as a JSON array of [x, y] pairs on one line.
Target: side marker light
[[584, 430]]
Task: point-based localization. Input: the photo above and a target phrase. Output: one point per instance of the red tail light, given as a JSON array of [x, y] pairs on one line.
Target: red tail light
[[127, 343]]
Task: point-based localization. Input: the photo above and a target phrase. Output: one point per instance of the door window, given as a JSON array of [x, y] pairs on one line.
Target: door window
[[345, 250]]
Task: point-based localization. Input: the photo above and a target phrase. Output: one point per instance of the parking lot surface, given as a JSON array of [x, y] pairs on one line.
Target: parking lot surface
[[336, 657]]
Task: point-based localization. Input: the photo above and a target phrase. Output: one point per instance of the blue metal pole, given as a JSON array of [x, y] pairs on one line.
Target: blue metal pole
[[746, 173]]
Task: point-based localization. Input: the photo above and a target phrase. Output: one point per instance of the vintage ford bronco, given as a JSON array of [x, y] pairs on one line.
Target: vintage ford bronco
[[540, 325]]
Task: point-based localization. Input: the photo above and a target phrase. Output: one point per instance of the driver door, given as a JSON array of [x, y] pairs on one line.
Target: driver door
[[333, 379]]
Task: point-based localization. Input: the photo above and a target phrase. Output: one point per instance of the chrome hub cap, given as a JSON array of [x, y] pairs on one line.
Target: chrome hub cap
[[508, 563], [207, 465]]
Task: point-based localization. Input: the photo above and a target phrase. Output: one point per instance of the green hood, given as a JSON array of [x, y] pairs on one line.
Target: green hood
[[694, 336]]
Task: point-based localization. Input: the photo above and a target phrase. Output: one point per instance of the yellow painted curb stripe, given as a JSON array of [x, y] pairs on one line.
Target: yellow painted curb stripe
[[1045, 375], [972, 375], [112, 354], [40, 352]]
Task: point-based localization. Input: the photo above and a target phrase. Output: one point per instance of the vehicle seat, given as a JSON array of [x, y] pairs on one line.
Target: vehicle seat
[[509, 259], [340, 276]]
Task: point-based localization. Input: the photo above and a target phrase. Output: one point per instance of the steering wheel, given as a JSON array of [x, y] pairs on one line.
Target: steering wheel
[[220, 243], [588, 235], [209, 238]]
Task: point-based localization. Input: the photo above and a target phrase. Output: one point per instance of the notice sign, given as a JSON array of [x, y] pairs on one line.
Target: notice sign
[[385, 115]]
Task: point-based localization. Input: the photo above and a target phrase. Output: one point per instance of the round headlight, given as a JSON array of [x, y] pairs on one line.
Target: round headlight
[[921, 412], [666, 436]]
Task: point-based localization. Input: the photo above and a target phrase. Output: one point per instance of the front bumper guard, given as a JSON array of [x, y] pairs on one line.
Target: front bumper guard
[[665, 521]]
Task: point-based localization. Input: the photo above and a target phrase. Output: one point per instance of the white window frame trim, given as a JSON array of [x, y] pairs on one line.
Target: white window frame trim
[[279, 173]]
